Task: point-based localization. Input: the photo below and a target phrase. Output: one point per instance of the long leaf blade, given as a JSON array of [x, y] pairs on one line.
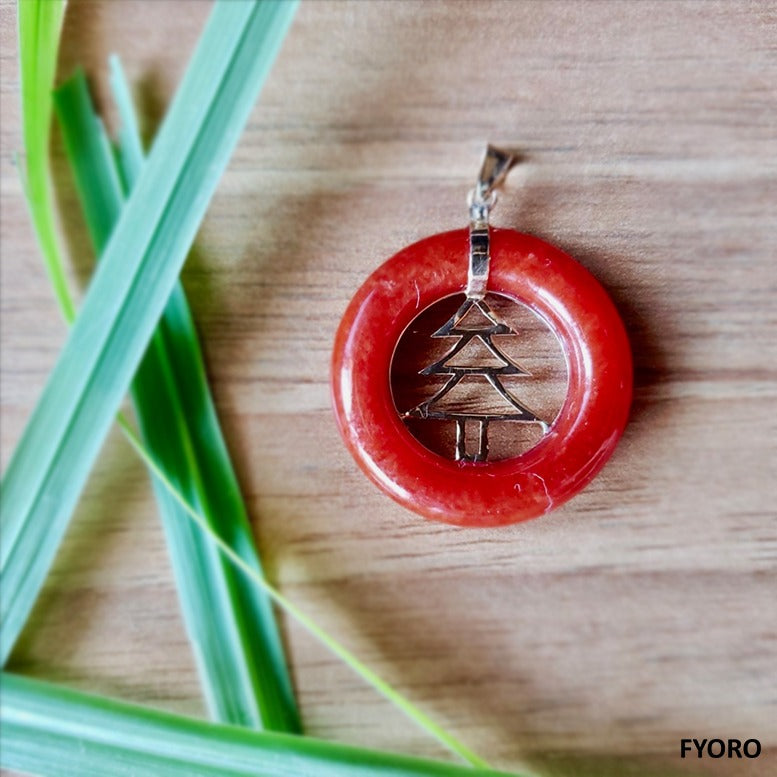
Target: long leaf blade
[[229, 620], [139, 268], [55, 732], [39, 27]]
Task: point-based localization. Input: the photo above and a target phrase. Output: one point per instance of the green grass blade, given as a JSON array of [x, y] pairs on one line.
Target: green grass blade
[[39, 27], [98, 181], [229, 620], [133, 282], [129, 151], [55, 732]]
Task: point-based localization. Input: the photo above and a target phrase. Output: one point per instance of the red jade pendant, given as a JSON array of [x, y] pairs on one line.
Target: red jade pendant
[[525, 375]]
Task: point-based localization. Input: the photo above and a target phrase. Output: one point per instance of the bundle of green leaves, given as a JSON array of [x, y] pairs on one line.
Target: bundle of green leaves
[[135, 333]]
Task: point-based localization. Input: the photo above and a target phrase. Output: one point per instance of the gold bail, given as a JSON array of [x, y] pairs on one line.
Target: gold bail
[[496, 164]]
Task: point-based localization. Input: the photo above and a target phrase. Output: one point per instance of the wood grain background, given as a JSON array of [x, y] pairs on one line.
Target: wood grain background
[[585, 643]]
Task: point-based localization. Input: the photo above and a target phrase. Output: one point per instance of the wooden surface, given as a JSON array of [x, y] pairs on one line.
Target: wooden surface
[[585, 643]]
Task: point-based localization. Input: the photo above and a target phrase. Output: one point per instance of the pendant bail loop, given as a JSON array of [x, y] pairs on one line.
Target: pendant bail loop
[[496, 164]]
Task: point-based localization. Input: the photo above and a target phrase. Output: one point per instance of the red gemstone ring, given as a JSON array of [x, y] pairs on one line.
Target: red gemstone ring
[[560, 292]]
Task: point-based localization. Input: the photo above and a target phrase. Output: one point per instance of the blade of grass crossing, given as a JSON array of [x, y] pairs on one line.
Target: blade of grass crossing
[[21, 522], [130, 288], [56, 732], [39, 26], [229, 620]]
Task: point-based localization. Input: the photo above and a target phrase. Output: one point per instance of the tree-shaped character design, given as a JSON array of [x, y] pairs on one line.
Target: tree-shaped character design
[[474, 323]]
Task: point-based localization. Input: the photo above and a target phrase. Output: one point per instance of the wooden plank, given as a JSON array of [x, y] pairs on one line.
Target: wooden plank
[[585, 643]]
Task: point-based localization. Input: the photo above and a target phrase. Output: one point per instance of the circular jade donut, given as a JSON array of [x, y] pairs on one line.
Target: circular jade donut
[[579, 441]]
